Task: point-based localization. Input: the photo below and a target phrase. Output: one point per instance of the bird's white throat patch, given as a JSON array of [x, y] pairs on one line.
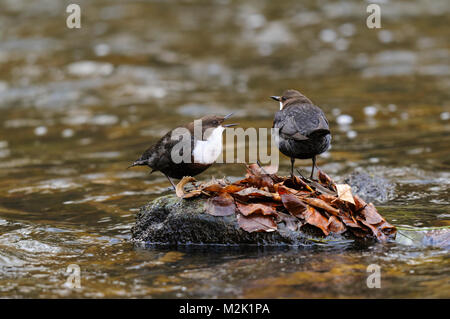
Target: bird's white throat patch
[[206, 152], [281, 106]]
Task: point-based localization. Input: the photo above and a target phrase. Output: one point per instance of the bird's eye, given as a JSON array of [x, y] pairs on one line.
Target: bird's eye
[[283, 98]]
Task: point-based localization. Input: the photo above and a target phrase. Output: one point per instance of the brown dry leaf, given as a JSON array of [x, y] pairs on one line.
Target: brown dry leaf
[[324, 179], [213, 188], [193, 193], [271, 169], [256, 177], [258, 208], [375, 231], [254, 192], [260, 181], [345, 193], [276, 197], [388, 229], [335, 225], [262, 194], [180, 188], [359, 203], [294, 205], [322, 189], [221, 205], [332, 200], [297, 183], [281, 189], [370, 215], [316, 202], [349, 221], [254, 169], [313, 217], [257, 223], [232, 189]]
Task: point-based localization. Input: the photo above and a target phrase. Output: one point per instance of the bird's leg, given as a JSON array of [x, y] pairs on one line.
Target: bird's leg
[[171, 182], [312, 168], [292, 167], [261, 167], [300, 173]]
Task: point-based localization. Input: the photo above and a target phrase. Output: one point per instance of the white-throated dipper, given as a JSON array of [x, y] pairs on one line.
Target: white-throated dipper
[[303, 128], [205, 146]]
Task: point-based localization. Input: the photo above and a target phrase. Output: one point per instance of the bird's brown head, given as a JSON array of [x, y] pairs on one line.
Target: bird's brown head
[[213, 121], [291, 96]]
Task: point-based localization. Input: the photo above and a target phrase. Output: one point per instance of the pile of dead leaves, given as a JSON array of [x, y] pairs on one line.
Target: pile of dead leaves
[[263, 200]]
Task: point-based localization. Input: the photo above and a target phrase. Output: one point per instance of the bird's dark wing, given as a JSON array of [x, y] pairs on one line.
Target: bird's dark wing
[[288, 128], [158, 155], [299, 122]]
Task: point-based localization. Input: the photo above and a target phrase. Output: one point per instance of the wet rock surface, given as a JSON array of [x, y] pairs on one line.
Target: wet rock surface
[[176, 221], [370, 187]]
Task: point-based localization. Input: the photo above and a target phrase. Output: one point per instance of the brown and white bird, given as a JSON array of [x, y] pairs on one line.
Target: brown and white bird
[[303, 128], [205, 149]]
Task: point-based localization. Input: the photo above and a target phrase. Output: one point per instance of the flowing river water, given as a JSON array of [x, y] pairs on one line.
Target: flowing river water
[[78, 105]]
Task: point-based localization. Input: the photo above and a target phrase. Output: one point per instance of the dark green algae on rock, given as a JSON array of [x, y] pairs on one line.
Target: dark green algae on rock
[[170, 220]]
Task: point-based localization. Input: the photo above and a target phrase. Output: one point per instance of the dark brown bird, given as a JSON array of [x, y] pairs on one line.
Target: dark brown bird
[[204, 149], [303, 128]]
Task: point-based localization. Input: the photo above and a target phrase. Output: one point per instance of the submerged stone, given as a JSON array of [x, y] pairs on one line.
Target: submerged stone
[[439, 237]]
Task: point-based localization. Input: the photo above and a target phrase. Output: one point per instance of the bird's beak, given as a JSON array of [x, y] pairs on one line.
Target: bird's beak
[[229, 125], [276, 98], [228, 116]]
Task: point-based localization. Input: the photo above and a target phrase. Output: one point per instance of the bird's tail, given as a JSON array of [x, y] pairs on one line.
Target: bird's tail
[[137, 163], [319, 133]]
